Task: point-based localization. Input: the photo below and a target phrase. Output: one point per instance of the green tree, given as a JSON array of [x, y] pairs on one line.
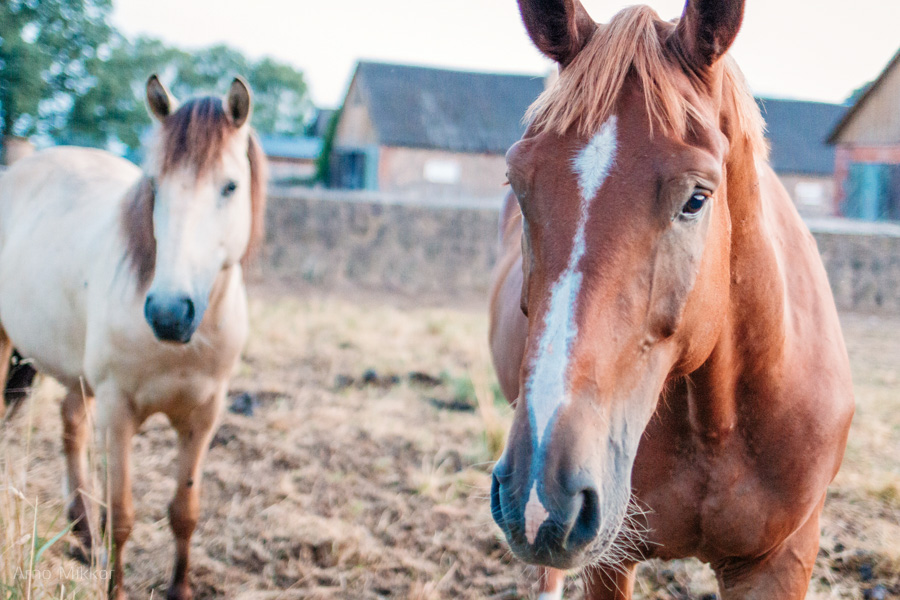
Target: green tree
[[323, 163], [858, 93], [281, 100], [208, 70], [46, 47], [112, 107]]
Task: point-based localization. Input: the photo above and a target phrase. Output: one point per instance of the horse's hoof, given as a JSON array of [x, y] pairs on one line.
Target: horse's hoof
[[180, 592], [81, 530], [118, 594], [78, 552]]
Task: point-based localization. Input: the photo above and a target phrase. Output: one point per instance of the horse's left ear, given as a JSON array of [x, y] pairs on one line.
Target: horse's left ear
[[707, 29], [159, 100], [559, 28], [238, 102]]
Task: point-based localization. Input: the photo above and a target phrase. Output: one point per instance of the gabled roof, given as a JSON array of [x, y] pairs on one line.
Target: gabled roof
[[459, 111], [321, 121], [293, 147], [797, 132], [839, 128]]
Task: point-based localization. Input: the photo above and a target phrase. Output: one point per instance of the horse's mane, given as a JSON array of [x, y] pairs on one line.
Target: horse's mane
[[585, 94], [195, 136]]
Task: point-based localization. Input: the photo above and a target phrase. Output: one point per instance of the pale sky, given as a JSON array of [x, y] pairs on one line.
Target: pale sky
[[805, 49]]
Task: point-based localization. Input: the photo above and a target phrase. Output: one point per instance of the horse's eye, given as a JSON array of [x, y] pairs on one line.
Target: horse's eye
[[693, 206], [229, 189]]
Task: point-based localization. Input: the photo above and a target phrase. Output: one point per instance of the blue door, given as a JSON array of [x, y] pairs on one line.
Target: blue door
[[868, 192]]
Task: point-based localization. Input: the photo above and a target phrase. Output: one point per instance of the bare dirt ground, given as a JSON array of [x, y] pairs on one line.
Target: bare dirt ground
[[348, 484]]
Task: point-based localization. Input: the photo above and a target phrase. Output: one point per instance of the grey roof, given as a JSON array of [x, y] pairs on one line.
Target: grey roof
[[798, 133], [321, 121], [459, 111], [295, 147]]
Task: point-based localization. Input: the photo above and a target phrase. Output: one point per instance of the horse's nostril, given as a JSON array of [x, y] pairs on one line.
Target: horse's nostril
[[587, 523], [149, 303], [496, 506], [188, 309]]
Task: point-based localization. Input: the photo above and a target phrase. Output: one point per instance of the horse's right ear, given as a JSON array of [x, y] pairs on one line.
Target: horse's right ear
[[159, 100], [559, 28], [707, 29]]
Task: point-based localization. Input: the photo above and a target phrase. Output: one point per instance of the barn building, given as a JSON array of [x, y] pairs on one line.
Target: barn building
[[427, 133], [799, 152], [292, 159], [867, 163]]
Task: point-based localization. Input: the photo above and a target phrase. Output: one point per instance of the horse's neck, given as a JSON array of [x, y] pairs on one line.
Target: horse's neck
[[751, 341]]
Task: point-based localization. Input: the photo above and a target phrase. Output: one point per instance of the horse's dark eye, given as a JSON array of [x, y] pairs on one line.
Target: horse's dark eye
[[229, 188], [695, 204]]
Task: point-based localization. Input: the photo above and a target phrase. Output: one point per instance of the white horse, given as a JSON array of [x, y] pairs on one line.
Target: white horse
[[127, 287]]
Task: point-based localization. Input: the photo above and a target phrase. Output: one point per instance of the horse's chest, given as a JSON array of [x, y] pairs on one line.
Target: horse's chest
[[165, 377], [717, 501]]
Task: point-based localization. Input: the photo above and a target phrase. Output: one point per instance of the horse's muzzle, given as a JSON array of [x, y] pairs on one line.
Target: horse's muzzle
[[551, 525], [172, 318]]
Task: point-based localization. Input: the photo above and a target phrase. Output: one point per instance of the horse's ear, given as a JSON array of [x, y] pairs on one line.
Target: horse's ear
[[707, 29], [238, 102], [159, 100], [559, 28]]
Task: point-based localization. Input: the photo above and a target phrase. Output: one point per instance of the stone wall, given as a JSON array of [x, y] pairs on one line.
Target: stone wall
[[334, 238], [863, 263], [385, 244], [388, 245]]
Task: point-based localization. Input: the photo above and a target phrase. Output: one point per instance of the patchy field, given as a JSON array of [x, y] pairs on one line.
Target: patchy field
[[348, 484]]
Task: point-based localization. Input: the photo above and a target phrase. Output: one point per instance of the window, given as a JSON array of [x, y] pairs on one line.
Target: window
[[442, 171], [810, 193]]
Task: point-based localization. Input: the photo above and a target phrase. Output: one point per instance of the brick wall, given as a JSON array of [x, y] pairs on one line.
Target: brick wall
[[449, 249], [431, 174]]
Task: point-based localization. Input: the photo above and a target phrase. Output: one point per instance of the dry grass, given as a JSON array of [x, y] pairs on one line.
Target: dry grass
[[33, 525], [340, 489]]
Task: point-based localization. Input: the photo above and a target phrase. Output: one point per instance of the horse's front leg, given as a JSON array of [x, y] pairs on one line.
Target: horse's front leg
[[120, 424], [194, 435], [550, 583], [6, 350], [76, 412], [610, 583], [783, 573]]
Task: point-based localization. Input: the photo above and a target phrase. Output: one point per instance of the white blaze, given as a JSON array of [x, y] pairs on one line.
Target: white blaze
[[535, 515], [546, 389]]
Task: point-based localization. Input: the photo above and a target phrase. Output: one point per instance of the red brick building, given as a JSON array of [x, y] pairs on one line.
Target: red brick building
[[867, 160], [429, 134]]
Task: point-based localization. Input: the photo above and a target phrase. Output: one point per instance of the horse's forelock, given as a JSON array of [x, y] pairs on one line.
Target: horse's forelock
[[585, 94], [195, 135]]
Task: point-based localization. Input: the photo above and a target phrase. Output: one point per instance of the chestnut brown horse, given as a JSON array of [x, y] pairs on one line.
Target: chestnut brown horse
[[680, 380]]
